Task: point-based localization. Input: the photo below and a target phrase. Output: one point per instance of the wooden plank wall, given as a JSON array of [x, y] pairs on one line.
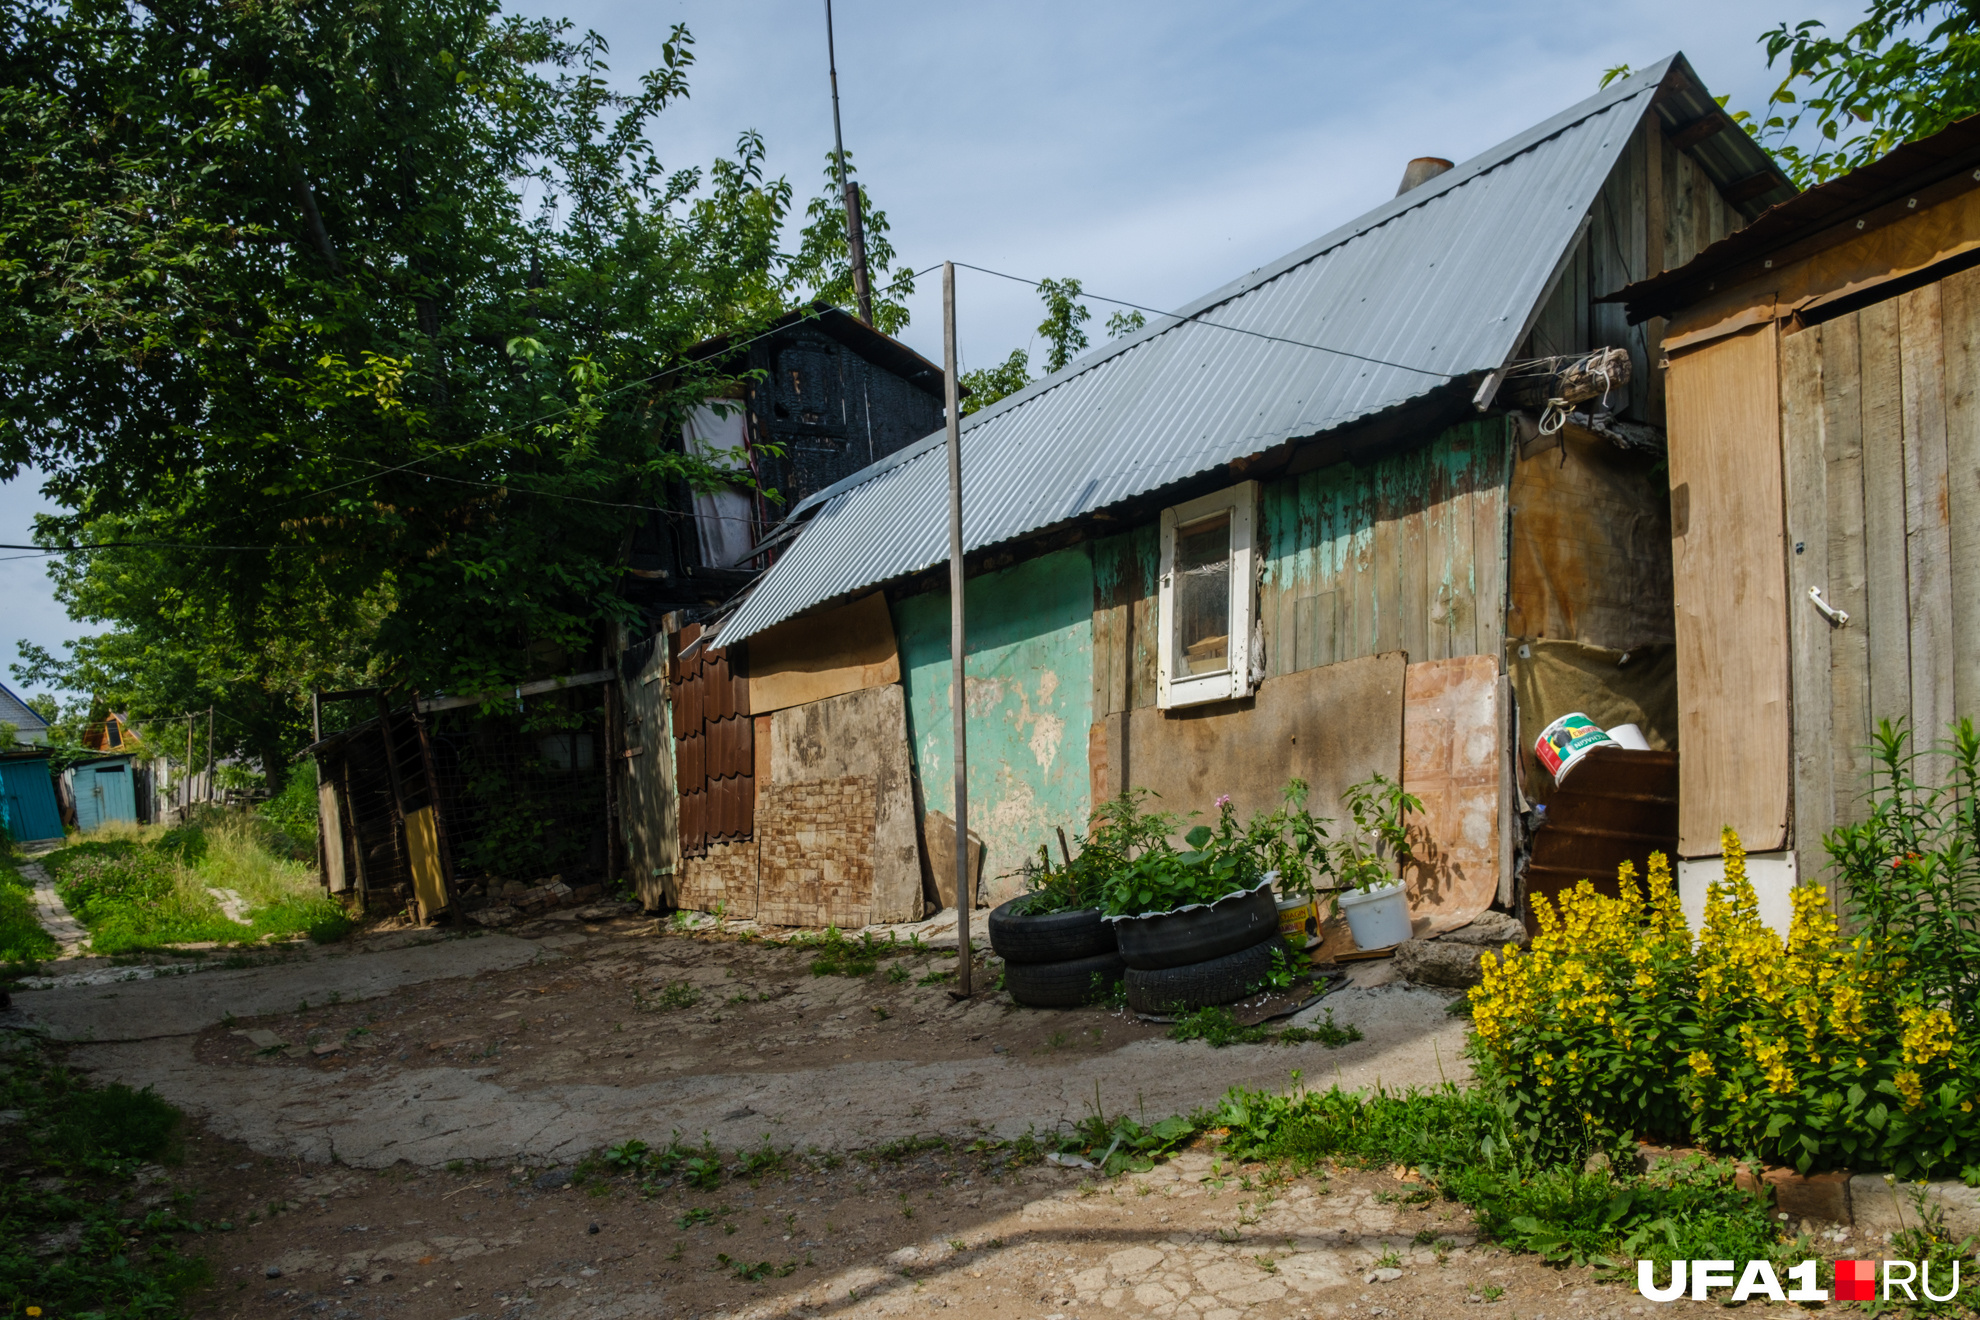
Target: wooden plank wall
[[1880, 430], [1406, 553], [1620, 248]]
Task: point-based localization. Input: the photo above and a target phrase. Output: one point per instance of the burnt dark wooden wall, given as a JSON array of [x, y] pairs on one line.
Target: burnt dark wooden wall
[[830, 411]]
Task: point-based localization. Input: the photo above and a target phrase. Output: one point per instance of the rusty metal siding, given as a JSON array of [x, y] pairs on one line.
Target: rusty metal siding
[[714, 747], [1439, 280]]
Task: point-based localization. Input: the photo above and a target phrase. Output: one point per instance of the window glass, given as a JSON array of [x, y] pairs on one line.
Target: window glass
[[1203, 596]]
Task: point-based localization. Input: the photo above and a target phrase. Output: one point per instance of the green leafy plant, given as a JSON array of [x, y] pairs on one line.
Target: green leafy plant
[[1365, 857], [1117, 831]]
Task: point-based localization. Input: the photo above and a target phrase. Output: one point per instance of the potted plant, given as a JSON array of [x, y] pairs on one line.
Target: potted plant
[[1365, 858], [1174, 907], [1292, 842]]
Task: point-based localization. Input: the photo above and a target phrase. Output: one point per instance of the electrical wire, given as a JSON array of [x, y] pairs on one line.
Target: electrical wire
[[1196, 319]]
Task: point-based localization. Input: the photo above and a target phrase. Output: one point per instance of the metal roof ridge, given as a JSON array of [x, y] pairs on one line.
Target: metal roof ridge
[[1491, 158]]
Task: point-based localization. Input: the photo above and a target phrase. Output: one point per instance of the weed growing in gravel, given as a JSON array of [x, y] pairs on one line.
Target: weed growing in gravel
[[1216, 1027], [897, 974], [838, 956], [765, 1159], [673, 996]]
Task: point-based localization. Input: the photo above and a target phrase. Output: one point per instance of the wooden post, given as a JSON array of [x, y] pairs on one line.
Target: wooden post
[[398, 790], [209, 754], [357, 837], [439, 823], [185, 789], [958, 696]]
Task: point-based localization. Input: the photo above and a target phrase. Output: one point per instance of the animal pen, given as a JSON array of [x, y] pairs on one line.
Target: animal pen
[[444, 803]]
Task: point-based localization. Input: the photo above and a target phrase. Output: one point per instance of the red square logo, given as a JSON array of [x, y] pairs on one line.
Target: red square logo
[[1856, 1280]]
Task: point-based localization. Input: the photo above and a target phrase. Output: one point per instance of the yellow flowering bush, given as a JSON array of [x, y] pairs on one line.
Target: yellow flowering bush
[[1814, 1051]]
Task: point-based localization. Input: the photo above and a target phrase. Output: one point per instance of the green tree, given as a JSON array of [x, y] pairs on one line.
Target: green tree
[[822, 263], [382, 297], [1907, 70], [1064, 314], [986, 385]]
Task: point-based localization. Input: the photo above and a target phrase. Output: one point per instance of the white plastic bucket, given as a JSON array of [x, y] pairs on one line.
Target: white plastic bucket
[[1630, 736], [1378, 917], [1564, 742]]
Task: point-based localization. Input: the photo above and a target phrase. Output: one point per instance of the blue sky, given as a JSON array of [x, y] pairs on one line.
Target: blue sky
[[1154, 150]]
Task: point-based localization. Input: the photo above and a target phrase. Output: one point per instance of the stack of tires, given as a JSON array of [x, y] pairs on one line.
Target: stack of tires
[[1178, 961], [1051, 961]]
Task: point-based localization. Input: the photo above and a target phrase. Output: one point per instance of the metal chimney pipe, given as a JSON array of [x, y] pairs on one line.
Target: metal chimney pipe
[[1420, 171]]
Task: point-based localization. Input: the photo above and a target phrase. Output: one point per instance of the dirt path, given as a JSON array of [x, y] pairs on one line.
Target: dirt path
[[501, 1048], [394, 1132], [53, 913]]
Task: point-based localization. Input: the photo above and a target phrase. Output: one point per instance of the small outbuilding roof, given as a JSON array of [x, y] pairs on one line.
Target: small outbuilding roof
[[1429, 289], [14, 711]]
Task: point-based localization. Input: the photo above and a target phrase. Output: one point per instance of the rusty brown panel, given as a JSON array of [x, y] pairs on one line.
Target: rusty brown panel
[[1591, 548], [694, 823], [691, 755], [1616, 805]]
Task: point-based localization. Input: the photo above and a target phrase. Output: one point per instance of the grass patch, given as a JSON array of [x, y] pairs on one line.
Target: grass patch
[[72, 1166], [1216, 1028], [1464, 1147], [22, 940], [139, 887]]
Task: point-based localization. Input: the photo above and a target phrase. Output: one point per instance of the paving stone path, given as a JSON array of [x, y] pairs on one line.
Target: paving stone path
[[53, 913]]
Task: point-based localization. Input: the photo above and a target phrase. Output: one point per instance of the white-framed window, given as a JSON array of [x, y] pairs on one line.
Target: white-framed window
[[1208, 594]]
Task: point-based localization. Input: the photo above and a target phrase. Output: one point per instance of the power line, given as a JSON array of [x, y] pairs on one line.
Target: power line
[[1195, 318]]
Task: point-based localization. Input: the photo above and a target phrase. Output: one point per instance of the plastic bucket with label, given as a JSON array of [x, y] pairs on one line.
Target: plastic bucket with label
[[1562, 744]]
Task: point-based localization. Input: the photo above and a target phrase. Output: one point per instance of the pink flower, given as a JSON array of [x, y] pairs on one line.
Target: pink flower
[[1223, 801]]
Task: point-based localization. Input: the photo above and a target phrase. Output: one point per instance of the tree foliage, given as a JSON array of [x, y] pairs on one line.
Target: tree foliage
[[1905, 71], [823, 260], [362, 328]]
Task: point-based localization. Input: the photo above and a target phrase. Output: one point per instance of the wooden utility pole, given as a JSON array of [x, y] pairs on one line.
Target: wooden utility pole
[[951, 404], [848, 192]]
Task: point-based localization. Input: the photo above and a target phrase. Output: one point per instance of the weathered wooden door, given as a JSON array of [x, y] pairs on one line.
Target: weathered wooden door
[[1880, 413], [648, 805]]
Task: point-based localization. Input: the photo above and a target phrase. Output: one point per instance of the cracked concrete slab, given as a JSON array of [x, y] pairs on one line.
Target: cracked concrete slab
[[180, 1005]]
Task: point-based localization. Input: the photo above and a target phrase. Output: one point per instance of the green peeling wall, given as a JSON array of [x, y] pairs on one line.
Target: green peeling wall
[[1029, 679]]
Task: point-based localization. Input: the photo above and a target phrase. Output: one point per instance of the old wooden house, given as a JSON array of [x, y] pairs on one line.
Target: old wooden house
[[1825, 495], [1309, 525]]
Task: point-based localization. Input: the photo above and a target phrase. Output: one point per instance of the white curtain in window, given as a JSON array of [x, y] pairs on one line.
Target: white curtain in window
[[722, 517]]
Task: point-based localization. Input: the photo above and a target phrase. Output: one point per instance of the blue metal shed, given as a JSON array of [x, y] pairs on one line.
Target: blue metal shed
[[104, 792], [27, 800]]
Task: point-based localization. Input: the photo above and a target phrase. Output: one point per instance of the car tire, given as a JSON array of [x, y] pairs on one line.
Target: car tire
[[1065, 984], [1222, 980], [1053, 937], [1182, 939]]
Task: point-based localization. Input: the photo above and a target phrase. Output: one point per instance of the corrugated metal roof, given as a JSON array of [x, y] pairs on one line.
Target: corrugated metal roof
[[1437, 282]]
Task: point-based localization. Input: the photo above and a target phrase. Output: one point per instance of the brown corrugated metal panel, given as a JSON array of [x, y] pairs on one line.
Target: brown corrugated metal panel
[[1616, 805], [715, 746]]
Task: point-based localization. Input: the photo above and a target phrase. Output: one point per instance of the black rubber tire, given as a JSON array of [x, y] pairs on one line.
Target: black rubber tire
[[1054, 937], [1180, 939], [1222, 980], [1061, 984]]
